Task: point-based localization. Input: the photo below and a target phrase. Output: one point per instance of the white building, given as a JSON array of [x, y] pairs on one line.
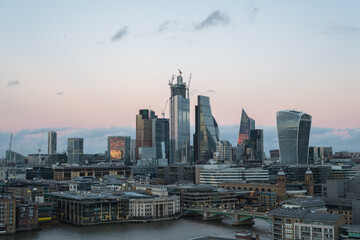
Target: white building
[[223, 148]]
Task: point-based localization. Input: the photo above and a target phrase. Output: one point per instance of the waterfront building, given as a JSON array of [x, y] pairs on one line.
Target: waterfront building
[[293, 133], [153, 209], [75, 150], [88, 208], [224, 152], [119, 149], [7, 215], [26, 217], [216, 174], [179, 122], [144, 130], [161, 137], [206, 131], [52, 140], [72, 172], [291, 224], [246, 124]]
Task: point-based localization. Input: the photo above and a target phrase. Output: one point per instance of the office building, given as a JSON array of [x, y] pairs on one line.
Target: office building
[[293, 133], [246, 124], [119, 149], [75, 150], [179, 122], [224, 152], [206, 131], [7, 215], [161, 137], [314, 155], [254, 148], [52, 138], [144, 130]]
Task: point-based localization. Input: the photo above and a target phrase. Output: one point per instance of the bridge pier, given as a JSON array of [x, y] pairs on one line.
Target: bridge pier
[[238, 221], [207, 217]]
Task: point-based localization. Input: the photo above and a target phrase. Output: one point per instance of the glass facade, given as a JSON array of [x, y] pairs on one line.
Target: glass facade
[[206, 131], [51, 142], [119, 149], [75, 150], [293, 132], [179, 123], [161, 137], [246, 124]]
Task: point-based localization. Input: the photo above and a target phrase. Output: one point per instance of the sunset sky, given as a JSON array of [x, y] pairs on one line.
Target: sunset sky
[[85, 68]]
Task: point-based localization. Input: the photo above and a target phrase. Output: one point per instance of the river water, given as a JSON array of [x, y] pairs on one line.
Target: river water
[[184, 228]]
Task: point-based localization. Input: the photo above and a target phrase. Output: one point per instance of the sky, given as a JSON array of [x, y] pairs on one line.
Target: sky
[[85, 68]]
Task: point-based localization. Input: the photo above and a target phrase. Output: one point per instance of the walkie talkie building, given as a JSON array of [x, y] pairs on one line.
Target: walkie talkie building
[[294, 133]]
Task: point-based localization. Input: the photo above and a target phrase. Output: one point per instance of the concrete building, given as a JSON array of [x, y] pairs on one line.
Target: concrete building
[[52, 142], [75, 150], [154, 209], [292, 224], [293, 132], [179, 122], [224, 152]]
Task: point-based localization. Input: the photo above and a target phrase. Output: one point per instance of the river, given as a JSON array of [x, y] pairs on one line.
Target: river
[[184, 228]]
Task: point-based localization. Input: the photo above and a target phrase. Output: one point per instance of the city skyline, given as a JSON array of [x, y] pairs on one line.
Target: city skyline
[[83, 73]]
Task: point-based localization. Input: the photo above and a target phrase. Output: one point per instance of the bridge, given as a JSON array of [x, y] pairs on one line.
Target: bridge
[[240, 217]]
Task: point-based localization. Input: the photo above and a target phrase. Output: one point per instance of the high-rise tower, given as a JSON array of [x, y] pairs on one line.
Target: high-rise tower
[[52, 142], [144, 130], [206, 131], [179, 121], [246, 124], [75, 150], [293, 132]]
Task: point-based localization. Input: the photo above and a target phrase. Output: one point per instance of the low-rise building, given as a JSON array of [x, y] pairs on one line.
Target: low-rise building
[[302, 224]]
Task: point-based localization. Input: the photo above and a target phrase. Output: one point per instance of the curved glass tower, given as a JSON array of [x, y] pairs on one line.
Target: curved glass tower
[[206, 131], [293, 132]]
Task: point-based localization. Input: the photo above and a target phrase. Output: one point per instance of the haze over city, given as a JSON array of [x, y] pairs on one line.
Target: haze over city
[[85, 68]]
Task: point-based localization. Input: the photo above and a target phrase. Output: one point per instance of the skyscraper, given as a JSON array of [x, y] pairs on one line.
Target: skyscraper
[[293, 132], [75, 150], [144, 123], [119, 149], [246, 124], [179, 122], [52, 142], [161, 137], [206, 131], [257, 143]]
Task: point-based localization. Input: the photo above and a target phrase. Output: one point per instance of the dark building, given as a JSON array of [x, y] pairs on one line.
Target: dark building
[[89, 208], [119, 149], [144, 130], [313, 155], [52, 142], [293, 132], [246, 124], [56, 158], [75, 150], [72, 172], [26, 217], [40, 172], [254, 148], [176, 174], [161, 137], [206, 131]]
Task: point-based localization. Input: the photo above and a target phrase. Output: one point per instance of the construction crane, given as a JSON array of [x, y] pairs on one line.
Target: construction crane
[[172, 80], [163, 111], [188, 86], [40, 145]]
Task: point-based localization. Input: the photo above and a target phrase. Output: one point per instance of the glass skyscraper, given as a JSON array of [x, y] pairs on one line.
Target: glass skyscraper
[[161, 137], [293, 132], [206, 131], [75, 150], [246, 124], [119, 149], [144, 125], [179, 122], [52, 142]]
